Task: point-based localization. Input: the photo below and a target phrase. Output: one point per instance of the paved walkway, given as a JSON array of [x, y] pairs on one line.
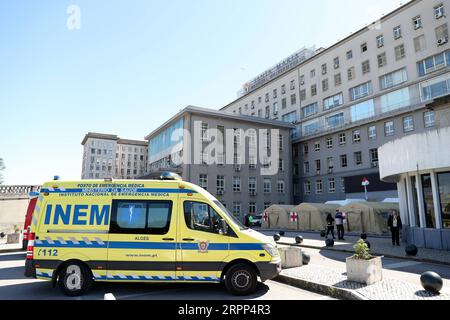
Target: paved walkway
[[379, 246]]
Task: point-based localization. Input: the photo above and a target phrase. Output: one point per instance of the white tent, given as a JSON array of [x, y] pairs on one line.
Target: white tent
[[345, 202]]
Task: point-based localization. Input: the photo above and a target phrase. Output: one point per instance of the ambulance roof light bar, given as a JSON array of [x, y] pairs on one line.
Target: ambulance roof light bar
[[170, 176]]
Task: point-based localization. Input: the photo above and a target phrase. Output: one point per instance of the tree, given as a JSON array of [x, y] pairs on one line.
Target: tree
[[2, 167]]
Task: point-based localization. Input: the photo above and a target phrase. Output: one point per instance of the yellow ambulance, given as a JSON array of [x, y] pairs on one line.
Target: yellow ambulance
[[165, 230]]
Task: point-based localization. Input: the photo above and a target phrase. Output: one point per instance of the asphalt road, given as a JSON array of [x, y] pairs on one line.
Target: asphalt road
[[14, 285]]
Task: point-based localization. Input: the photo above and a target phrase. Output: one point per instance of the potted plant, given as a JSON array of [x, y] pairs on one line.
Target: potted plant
[[362, 267]]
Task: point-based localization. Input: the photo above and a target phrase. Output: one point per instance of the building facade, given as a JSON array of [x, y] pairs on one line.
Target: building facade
[[349, 99], [244, 161], [108, 156], [420, 165]]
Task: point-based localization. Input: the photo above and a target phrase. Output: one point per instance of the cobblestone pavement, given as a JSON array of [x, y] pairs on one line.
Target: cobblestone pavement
[[379, 246], [388, 289]]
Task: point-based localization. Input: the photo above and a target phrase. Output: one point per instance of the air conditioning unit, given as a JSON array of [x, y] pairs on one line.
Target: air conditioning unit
[[275, 113], [301, 83], [252, 193], [318, 172], [330, 170], [220, 192], [442, 41], [439, 14], [237, 168]]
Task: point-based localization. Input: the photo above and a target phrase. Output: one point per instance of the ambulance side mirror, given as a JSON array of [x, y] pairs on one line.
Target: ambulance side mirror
[[223, 227]]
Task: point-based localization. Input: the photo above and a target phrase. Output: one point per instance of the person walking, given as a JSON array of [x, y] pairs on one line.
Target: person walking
[[339, 218], [395, 223], [330, 225]]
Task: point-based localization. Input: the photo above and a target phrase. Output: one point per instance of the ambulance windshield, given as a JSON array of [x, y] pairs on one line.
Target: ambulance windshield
[[231, 216]]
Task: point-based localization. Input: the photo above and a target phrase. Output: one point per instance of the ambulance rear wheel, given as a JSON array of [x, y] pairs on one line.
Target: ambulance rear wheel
[[241, 279], [74, 279]]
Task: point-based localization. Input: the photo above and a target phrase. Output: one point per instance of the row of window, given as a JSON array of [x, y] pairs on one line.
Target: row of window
[[236, 184], [252, 207], [389, 130], [307, 186]]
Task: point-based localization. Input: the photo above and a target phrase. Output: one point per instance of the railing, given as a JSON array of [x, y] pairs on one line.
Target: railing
[[15, 191]]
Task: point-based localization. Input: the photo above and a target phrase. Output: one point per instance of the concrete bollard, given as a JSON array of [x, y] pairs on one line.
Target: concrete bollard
[[291, 257]]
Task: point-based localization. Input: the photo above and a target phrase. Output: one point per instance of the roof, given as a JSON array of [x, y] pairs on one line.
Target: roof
[[96, 135], [133, 142], [219, 114], [370, 205], [282, 206], [319, 206], [327, 50]]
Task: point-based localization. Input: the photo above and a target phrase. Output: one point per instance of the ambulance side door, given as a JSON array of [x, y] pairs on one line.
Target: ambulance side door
[[142, 244], [202, 247]]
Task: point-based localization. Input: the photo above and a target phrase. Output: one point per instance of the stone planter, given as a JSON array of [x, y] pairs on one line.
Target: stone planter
[[364, 271], [291, 257]]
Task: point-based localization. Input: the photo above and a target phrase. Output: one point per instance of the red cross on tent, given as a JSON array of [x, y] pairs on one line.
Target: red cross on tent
[[265, 217], [294, 216]]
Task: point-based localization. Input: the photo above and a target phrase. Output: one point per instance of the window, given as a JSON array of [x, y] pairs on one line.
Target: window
[[275, 108], [427, 193], [253, 104], [252, 208], [201, 217], [436, 87], [366, 67], [220, 184], [302, 95], [331, 185], [306, 167], [351, 73], [259, 99], [428, 118], [442, 34], [280, 186], [364, 47], [361, 91], [317, 146], [307, 187], [372, 132], [290, 117], [267, 97], [275, 93], [380, 41], [374, 157], [400, 52], [318, 165], [324, 68], [325, 85], [252, 185], [293, 99], [433, 63], [342, 139], [203, 181], [252, 162], [313, 73], [395, 100], [439, 11], [141, 217], [444, 199], [389, 129], [337, 79], [330, 164], [305, 149], [292, 84], [336, 62], [393, 79], [382, 60], [266, 205], [349, 54], [267, 186], [283, 89], [333, 102], [420, 43], [280, 165], [283, 103], [335, 121], [260, 113], [319, 186], [397, 32], [267, 113], [329, 142], [240, 110], [417, 22], [356, 136], [344, 163], [358, 158], [313, 90], [203, 158], [343, 185], [302, 80], [363, 110], [309, 110], [408, 124], [236, 184]]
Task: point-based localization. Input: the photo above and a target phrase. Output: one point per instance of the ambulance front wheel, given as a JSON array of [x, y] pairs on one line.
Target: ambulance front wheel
[[75, 279], [241, 279]]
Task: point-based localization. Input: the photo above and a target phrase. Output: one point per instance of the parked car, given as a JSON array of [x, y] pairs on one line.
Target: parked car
[[257, 220]]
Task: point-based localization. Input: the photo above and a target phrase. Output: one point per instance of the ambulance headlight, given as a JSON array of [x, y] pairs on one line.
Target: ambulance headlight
[[272, 250]]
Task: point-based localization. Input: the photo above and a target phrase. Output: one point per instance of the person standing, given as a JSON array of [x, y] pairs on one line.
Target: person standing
[[339, 218], [395, 223], [330, 225]]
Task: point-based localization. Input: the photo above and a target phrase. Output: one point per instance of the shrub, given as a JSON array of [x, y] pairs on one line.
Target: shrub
[[362, 251]]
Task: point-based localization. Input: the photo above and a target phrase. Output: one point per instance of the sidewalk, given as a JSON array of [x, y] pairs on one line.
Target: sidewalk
[[379, 246], [10, 247]]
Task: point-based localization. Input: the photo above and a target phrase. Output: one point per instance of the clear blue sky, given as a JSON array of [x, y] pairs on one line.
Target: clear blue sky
[[133, 64]]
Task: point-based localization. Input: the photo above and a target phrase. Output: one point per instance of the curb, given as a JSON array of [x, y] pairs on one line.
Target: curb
[[424, 260], [12, 250], [334, 292]]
